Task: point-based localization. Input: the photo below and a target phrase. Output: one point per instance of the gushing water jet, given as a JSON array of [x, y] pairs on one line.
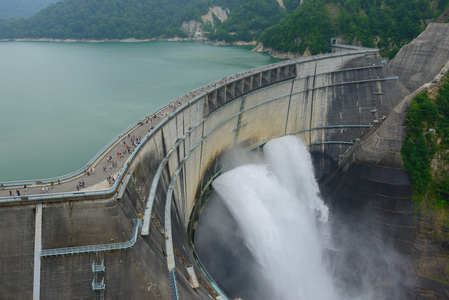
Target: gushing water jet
[[271, 236], [283, 221]]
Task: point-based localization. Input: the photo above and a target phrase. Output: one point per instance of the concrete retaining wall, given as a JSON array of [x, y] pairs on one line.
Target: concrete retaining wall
[[328, 101], [420, 61]]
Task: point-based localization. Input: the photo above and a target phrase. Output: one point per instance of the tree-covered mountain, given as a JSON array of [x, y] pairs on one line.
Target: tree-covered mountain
[[140, 19], [284, 25], [385, 24], [103, 19], [10, 9], [426, 159], [249, 19]]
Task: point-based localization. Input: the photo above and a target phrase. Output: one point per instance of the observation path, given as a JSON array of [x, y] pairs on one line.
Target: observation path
[[95, 177], [97, 173]]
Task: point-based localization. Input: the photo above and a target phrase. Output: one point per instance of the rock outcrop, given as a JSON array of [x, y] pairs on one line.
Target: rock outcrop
[[276, 54], [217, 11], [281, 4], [420, 61], [194, 28]]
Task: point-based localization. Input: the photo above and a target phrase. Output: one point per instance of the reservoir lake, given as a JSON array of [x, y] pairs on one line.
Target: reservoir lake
[[60, 103]]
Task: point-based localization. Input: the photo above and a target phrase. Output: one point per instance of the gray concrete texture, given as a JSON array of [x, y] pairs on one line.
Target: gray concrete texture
[[303, 98], [418, 62], [297, 104], [207, 130]]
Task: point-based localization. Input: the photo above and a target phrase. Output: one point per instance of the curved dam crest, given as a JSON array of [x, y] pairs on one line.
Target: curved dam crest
[[333, 102]]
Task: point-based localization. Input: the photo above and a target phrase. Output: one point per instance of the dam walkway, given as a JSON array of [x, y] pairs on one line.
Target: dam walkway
[[103, 173], [106, 168], [94, 248]]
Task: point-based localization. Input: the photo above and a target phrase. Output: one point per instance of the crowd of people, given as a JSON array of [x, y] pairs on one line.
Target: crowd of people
[[134, 141], [111, 180], [81, 185]]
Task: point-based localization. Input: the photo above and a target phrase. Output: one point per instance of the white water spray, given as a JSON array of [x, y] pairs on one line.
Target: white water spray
[[283, 220]]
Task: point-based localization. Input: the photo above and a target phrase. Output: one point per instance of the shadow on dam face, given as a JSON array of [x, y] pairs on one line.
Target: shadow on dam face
[[356, 260]]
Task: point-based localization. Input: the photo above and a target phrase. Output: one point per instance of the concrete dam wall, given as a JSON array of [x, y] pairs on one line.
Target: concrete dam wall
[[332, 102]]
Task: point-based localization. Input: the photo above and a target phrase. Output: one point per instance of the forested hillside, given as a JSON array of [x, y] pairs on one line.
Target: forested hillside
[[427, 140], [103, 19], [385, 24], [22, 8], [109, 19], [426, 159], [248, 20], [282, 25]]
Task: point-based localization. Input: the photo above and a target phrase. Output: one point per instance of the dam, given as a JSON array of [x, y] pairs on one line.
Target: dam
[[133, 240]]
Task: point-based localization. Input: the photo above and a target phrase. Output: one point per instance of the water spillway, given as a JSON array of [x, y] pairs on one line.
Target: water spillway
[[280, 219], [266, 234], [332, 102]]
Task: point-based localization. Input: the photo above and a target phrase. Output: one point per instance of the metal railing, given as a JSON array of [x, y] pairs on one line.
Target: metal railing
[[95, 248], [218, 84], [98, 286], [208, 276], [215, 85], [173, 287], [98, 268], [154, 185], [125, 245]]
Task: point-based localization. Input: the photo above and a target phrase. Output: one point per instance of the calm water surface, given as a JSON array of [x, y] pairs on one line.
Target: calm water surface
[[60, 103]]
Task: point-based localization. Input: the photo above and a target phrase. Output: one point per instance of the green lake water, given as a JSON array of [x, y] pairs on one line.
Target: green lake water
[[60, 103]]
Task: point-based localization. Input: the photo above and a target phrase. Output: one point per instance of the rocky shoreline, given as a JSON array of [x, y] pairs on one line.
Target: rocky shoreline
[[281, 55], [127, 40], [258, 46]]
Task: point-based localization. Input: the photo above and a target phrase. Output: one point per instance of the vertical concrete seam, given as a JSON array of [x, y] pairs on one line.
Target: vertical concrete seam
[[164, 149], [239, 119], [289, 104], [311, 101], [184, 193], [201, 152], [37, 252]]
